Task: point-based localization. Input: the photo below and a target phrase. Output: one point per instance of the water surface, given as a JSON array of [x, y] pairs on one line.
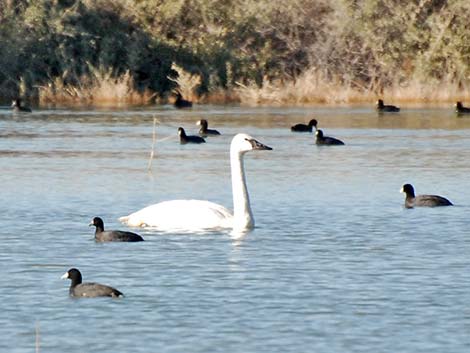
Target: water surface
[[335, 264]]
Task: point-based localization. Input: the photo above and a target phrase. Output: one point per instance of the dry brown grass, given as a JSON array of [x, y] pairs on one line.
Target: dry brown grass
[[221, 96], [416, 92], [187, 83], [310, 88], [313, 88], [100, 88]]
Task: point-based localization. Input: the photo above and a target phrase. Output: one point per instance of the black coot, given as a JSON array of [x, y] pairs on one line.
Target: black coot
[[422, 200], [184, 139], [204, 131], [305, 128], [460, 109], [112, 235], [382, 108], [18, 106], [326, 140], [88, 290], [180, 102]]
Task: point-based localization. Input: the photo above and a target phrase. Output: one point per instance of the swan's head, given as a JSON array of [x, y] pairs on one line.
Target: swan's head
[[243, 143]]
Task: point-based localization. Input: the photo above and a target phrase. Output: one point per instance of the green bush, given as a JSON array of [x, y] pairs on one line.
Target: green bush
[[369, 45]]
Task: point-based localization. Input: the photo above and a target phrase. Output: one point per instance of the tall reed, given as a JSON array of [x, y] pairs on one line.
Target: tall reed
[[313, 87], [186, 82], [101, 87]]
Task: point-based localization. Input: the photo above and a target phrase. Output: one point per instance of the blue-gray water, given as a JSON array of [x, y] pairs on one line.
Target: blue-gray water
[[335, 264]]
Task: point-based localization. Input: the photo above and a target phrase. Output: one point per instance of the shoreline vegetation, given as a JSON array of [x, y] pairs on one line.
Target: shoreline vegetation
[[299, 52]]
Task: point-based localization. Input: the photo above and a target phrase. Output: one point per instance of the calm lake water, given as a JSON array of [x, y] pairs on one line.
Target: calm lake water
[[335, 264]]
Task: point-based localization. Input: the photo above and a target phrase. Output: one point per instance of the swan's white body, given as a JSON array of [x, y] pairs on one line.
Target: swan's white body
[[181, 214], [200, 215]]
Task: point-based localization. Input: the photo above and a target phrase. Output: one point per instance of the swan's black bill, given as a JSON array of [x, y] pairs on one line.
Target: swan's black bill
[[258, 145]]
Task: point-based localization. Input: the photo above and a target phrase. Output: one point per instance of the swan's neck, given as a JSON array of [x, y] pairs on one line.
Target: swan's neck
[[243, 218]]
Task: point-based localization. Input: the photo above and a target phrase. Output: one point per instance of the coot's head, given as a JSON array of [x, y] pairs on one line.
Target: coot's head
[[16, 103], [97, 222], [380, 103], [312, 123], [408, 190], [319, 134], [74, 275], [458, 105], [202, 122], [181, 132]]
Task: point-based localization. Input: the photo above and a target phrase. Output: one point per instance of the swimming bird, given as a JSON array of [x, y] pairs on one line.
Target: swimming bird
[[460, 109], [204, 131], [180, 102], [382, 108], [305, 128], [326, 140], [18, 106], [184, 139], [422, 200], [112, 235], [190, 215], [88, 290]]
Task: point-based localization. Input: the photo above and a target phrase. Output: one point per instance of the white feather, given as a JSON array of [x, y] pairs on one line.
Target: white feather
[[199, 215]]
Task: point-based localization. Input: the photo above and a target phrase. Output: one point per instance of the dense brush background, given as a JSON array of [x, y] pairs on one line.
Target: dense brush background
[[255, 51]]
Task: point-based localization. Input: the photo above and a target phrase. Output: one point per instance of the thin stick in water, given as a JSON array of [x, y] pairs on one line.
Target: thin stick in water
[[37, 337], [154, 140]]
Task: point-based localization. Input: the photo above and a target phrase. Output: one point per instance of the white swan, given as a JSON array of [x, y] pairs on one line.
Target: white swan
[[200, 215]]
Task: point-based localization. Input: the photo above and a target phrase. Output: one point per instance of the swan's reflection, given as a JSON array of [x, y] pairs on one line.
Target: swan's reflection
[[238, 236]]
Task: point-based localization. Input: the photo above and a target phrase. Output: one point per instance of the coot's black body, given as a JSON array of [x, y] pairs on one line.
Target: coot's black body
[[460, 109], [18, 106], [112, 235], [422, 200], [181, 103], [204, 131], [184, 139], [326, 140], [305, 128], [382, 108], [88, 290]]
